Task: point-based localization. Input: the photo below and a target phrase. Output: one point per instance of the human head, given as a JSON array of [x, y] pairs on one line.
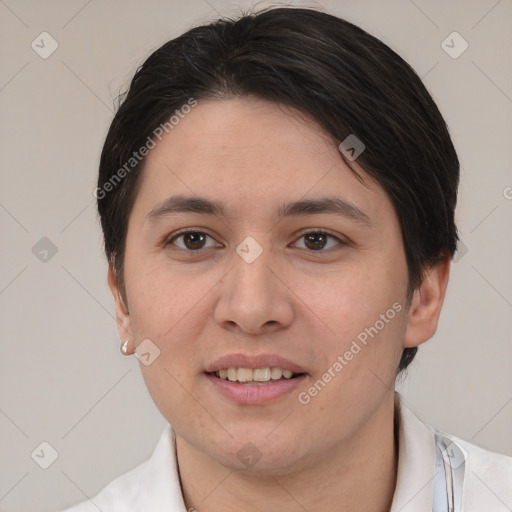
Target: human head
[[259, 134], [348, 81]]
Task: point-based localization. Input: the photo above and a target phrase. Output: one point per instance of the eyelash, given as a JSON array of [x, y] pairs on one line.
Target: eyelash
[[181, 233]]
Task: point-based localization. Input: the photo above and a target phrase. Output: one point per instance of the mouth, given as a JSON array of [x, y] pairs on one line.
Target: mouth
[[254, 379], [254, 376]]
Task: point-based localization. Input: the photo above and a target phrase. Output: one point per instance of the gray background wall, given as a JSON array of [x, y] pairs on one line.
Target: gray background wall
[[62, 378]]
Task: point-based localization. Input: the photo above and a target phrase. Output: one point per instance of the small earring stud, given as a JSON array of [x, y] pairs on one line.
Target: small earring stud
[[124, 347]]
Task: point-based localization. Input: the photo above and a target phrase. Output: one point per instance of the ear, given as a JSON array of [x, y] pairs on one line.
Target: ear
[[426, 304], [122, 313]]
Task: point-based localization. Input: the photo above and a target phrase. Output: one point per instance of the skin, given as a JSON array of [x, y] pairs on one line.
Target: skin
[[336, 452]]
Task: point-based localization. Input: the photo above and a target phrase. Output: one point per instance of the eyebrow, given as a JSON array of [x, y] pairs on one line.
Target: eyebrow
[[330, 205]]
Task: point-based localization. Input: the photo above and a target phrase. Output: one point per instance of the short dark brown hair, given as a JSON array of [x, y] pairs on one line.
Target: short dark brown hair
[[347, 80]]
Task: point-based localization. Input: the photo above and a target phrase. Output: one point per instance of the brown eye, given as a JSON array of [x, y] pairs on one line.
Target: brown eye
[[315, 241], [194, 240], [190, 240], [318, 240]]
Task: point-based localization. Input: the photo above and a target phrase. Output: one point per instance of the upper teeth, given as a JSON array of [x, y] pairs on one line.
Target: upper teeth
[[256, 375]]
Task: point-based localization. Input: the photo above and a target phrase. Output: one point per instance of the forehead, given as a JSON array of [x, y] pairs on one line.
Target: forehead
[[250, 154]]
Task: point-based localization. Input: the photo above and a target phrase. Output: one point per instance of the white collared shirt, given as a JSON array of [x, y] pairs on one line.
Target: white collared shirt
[[154, 486]]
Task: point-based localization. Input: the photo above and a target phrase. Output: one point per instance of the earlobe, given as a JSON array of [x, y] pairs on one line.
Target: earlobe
[[426, 304], [122, 313]]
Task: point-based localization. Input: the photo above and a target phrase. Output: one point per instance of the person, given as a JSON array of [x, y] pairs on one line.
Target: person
[[277, 197]]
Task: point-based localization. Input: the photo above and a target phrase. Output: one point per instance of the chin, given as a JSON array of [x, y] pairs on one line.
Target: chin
[[262, 463], [258, 453]]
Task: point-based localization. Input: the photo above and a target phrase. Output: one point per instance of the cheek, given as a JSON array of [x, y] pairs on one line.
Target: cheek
[[350, 301], [167, 382], [161, 298], [365, 312], [359, 368]]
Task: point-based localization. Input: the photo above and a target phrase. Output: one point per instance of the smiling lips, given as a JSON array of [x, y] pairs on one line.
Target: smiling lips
[[244, 368], [254, 379], [254, 376]]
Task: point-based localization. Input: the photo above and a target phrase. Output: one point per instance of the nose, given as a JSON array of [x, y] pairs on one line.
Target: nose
[[254, 298]]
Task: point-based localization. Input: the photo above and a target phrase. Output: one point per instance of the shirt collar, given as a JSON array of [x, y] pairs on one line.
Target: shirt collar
[[162, 487], [416, 461]]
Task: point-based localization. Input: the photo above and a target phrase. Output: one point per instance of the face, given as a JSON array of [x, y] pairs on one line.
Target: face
[[262, 286]]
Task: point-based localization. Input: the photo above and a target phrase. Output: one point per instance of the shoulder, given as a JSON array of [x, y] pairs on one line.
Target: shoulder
[[487, 478], [119, 492], [483, 478], [153, 485]]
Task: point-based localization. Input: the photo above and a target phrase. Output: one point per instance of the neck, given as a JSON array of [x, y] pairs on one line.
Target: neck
[[358, 475]]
